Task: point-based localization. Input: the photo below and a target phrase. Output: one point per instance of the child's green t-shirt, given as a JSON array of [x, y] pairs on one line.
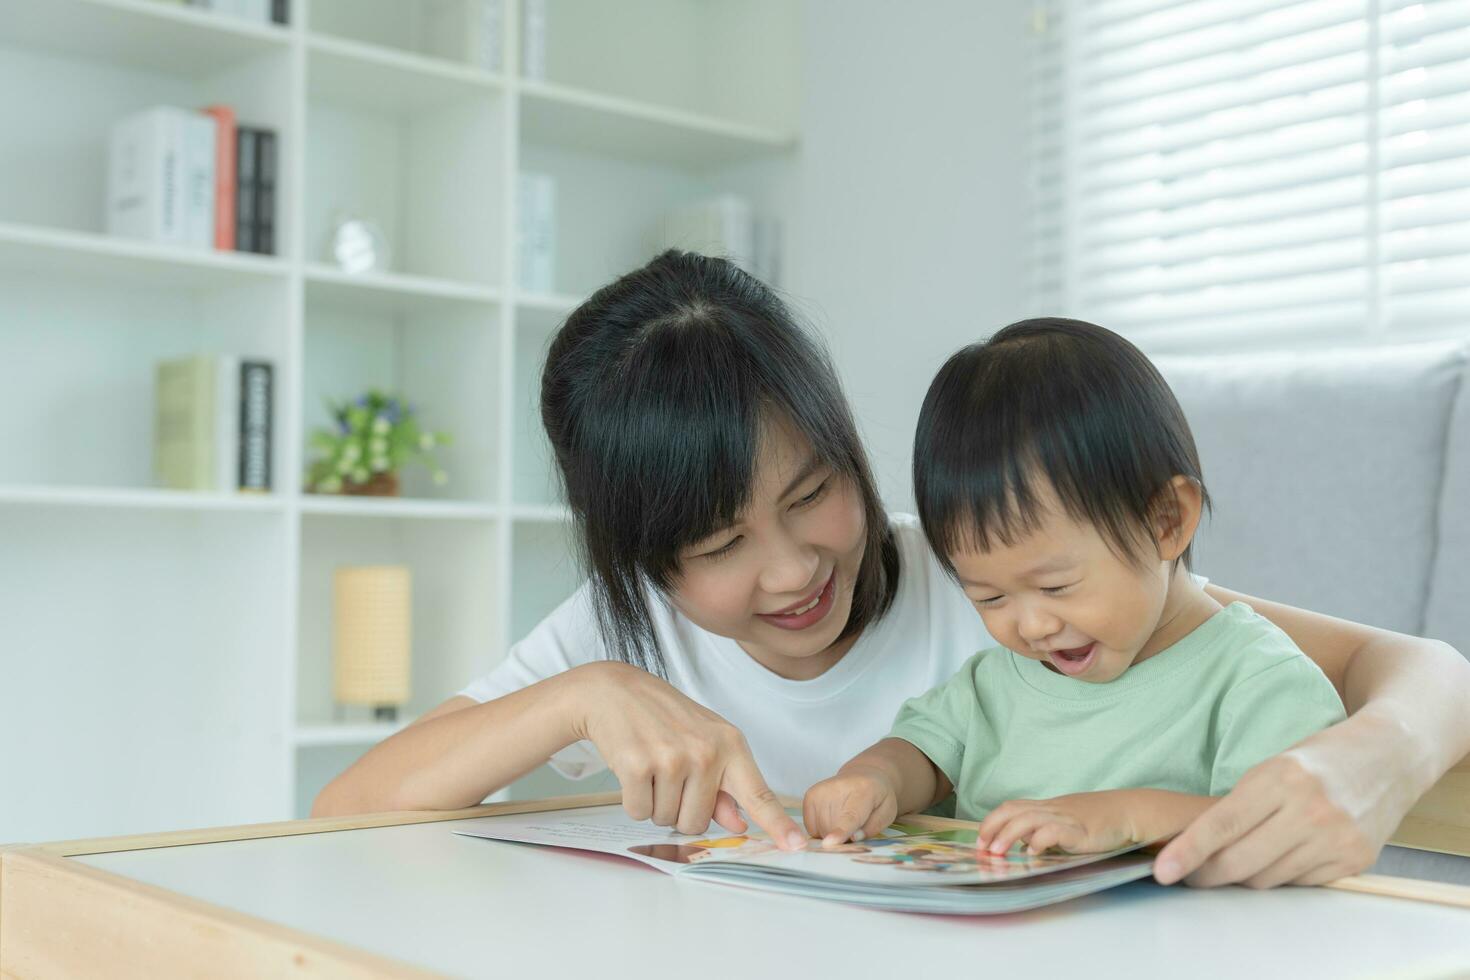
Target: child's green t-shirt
[[1192, 718]]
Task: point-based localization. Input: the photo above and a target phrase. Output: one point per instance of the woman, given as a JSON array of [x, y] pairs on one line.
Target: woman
[[753, 617]]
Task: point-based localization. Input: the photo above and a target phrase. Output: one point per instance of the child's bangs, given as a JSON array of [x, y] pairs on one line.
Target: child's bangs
[[1048, 409]]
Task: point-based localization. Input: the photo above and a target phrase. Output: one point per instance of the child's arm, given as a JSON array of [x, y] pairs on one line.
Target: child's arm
[[877, 785], [1090, 822]]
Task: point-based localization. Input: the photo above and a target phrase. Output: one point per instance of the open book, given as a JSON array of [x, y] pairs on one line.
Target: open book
[[907, 869]]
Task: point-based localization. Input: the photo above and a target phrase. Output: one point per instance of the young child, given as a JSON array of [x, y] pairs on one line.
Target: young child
[[1058, 482]]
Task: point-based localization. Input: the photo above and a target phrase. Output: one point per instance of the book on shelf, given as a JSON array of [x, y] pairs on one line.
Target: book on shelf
[[258, 11], [161, 177], [255, 190], [536, 232], [534, 15], [213, 423], [726, 226], [472, 31], [192, 178], [265, 192], [906, 868], [224, 175]]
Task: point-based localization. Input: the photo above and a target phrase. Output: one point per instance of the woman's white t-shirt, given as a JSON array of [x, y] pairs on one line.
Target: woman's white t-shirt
[[799, 731]]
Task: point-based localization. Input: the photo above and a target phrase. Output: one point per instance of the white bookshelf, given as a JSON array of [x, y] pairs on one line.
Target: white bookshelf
[[171, 651]]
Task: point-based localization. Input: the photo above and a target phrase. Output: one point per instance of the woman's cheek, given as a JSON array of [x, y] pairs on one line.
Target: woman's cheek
[[712, 596], [843, 523]]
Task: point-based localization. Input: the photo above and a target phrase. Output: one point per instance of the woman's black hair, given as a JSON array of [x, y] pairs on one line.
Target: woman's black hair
[[1048, 401], [655, 395]]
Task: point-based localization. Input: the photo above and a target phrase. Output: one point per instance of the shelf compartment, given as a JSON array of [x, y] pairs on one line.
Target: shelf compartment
[[591, 122], [448, 32], [90, 256], [381, 79], [437, 358], [397, 507], [403, 295], [108, 498], [144, 34], [315, 735], [82, 353], [454, 614], [419, 154], [60, 106]]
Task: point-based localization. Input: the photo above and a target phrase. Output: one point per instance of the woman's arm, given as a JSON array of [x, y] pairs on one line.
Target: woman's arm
[[457, 754], [1325, 807], [679, 763]]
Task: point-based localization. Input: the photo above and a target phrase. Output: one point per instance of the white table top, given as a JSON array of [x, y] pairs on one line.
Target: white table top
[[471, 907]]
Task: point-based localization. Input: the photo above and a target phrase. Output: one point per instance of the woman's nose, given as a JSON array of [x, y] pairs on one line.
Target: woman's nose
[[790, 568]]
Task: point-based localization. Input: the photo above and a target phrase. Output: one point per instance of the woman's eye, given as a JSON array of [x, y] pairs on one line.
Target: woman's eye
[[814, 496], [722, 550], [1056, 589], [990, 601]]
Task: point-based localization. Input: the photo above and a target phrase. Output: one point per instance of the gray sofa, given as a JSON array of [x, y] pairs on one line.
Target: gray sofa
[[1341, 484]]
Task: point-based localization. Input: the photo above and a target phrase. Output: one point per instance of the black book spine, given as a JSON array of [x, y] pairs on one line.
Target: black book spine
[[265, 192], [245, 189], [256, 425], [279, 13]]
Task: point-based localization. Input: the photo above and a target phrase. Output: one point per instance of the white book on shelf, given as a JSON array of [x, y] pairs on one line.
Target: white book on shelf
[[143, 177], [536, 232], [199, 133], [226, 422], [534, 15], [468, 31], [722, 226], [160, 177], [258, 11]]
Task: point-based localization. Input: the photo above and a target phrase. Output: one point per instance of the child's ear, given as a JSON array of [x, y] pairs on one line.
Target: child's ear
[[1176, 515]]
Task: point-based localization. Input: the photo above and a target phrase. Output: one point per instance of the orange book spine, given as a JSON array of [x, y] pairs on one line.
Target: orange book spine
[[224, 176]]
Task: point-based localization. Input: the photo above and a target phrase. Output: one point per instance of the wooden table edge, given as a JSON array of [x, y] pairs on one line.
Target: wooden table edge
[[104, 916], [61, 917]]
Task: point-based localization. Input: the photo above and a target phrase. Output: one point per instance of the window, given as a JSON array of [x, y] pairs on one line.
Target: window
[[1223, 169]]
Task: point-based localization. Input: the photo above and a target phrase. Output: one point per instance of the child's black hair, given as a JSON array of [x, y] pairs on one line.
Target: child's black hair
[[655, 395], [1048, 401]]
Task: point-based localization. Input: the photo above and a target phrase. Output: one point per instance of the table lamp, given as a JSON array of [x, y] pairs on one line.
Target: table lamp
[[371, 637]]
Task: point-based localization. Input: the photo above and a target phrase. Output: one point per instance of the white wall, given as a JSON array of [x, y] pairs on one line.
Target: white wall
[[908, 215]]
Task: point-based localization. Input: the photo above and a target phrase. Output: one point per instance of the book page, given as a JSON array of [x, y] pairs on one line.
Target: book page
[[903, 857]]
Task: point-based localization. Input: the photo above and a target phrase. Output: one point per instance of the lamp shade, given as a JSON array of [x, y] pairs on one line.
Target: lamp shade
[[371, 634]]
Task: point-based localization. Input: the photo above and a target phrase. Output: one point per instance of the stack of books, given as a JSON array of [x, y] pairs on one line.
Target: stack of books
[[260, 11], [213, 424], [190, 178], [725, 226]]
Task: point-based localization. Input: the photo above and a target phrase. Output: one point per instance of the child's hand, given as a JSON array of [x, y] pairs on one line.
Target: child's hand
[[856, 803], [1081, 823]]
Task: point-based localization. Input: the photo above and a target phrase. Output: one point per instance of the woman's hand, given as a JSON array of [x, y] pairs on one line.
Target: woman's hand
[[1315, 813], [679, 763], [855, 804]]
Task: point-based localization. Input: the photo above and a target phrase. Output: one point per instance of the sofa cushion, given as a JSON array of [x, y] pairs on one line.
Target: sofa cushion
[[1325, 469], [1448, 614]]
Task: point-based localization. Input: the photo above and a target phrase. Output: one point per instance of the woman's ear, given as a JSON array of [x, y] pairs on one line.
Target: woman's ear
[[1176, 515]]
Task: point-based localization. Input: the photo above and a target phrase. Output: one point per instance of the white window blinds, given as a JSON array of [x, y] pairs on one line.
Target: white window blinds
[[1253, 167]]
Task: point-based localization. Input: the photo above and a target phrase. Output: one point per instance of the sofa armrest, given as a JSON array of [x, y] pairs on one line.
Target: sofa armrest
[[1440, 821]]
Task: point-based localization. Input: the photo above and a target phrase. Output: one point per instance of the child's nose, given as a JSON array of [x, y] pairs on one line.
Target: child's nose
[[1037, 625]]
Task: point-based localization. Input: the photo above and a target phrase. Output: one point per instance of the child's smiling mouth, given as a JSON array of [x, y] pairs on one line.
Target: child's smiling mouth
[[1074, 661]]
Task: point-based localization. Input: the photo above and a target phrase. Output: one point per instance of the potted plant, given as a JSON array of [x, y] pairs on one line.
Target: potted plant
[[375, 436]]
